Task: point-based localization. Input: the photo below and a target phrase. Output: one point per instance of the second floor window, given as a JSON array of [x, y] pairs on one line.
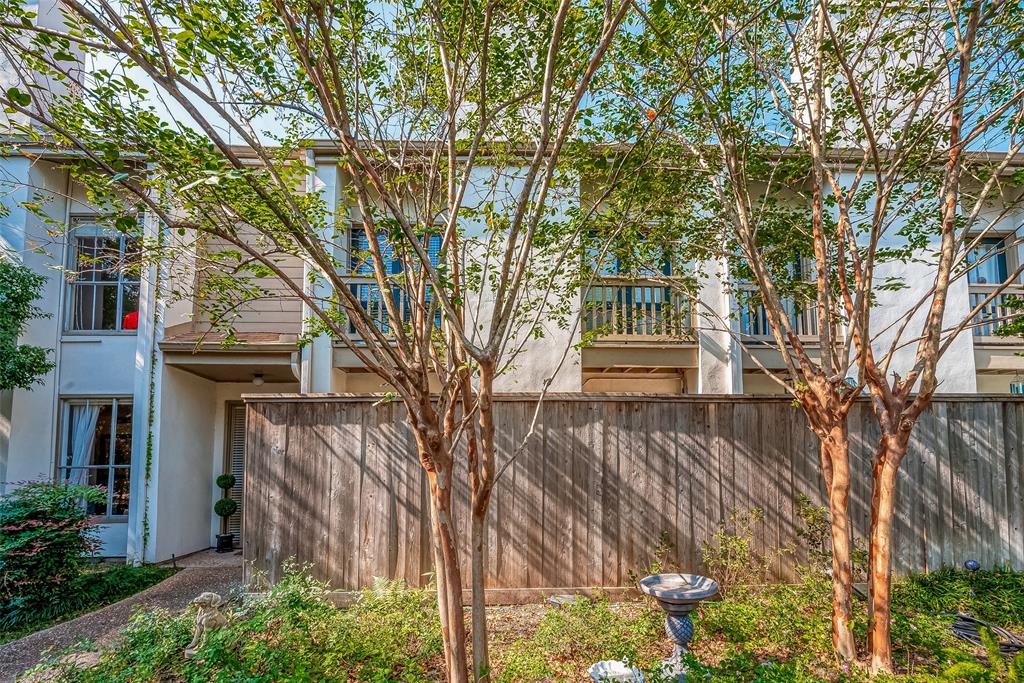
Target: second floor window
[[987, 262], [104, 294], [361, 262], [619, 259], [369, 293]]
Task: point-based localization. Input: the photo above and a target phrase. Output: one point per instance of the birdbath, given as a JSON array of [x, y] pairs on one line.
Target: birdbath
[[678, 595]]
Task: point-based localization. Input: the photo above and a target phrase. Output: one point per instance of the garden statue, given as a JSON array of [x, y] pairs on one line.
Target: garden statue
[[678, 595], [614, 671], [209, 616]]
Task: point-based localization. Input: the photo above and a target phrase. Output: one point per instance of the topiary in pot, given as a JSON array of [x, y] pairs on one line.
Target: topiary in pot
[[225, 507]]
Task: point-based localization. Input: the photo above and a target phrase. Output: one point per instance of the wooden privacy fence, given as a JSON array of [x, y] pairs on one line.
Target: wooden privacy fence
[[334, 481]]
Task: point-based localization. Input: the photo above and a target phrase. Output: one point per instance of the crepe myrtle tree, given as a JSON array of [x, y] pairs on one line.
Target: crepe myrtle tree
[[846, 139], [449, 122], [750, 199]]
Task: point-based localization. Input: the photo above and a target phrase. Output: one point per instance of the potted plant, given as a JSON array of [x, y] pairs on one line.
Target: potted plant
[[225, 507]]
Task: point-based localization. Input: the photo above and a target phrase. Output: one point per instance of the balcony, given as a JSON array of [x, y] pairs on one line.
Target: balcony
[[367, 292], [753, 319], [995, 313], [620, 310]]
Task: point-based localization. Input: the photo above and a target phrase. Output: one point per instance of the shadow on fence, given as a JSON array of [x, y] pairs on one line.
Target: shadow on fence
[[335, 482]]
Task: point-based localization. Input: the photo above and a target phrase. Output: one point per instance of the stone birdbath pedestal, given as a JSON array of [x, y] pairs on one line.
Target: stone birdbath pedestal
[[678, 595]]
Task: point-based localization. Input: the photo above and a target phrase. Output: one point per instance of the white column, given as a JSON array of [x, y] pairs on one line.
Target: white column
[[142, 507], [315, 359], [719, 357]]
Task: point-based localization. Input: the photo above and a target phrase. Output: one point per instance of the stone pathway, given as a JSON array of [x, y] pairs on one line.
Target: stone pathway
[[203, 571]]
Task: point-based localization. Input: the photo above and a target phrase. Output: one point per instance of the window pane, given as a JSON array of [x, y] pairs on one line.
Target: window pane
[[93, 476], [94, 306], [82, 306], [88, 434], [91, 435], [123, 439], [129, 307], [107, 314], [993, 270], [104, 433], [84, 263], [132, 260], [121, 491], [108, 257]]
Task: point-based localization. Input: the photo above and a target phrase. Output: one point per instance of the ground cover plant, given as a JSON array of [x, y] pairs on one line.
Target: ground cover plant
[[756, 634], [294, 633], [97, 586]]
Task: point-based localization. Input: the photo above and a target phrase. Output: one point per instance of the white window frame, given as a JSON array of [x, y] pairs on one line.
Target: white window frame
[[110, 466], [89, 221]]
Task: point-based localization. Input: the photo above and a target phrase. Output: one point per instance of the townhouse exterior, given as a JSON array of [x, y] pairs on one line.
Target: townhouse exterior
[[143, 402]]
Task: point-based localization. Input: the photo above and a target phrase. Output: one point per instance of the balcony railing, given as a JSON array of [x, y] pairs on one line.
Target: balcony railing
[[368, 292], [995, 313], [636, 310], [754, 322]]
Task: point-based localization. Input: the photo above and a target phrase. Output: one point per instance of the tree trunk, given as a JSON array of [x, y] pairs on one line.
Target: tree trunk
[[482, 485], [442, 583], [883, 501], [455, 642], [842, 542], [481, 660]]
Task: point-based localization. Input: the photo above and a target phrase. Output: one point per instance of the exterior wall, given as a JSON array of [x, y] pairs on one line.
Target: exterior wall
[[720, 357], [555, 355], [998, 384], [101, 365], [183, 466], [33, 412], [957, 368], [282, 312], [187, 430], [759, 384]]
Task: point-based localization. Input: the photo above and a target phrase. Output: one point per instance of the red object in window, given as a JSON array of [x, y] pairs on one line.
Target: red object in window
[[130, 321]]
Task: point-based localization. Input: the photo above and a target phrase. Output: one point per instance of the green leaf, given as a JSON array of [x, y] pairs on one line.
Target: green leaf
[[19, 97]]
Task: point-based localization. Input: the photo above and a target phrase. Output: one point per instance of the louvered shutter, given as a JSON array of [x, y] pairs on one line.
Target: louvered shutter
[[236, 463]]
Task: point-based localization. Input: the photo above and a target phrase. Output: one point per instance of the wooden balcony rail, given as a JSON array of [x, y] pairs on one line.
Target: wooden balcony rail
[[753, 319], [367, 291], [636, 310], [995, 313]]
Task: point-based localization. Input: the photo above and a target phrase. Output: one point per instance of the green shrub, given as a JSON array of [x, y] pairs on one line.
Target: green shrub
[[587, 630], [47, 540], [746, 668], [225, 507], [784, 620], [729, 556]]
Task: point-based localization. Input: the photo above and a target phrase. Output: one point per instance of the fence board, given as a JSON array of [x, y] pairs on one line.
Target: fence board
[[335, 481]]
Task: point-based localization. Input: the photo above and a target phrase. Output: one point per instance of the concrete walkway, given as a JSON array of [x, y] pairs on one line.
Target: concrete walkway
[[204, 571]]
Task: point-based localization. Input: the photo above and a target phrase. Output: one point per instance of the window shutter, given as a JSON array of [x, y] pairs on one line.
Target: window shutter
[[236, 464]]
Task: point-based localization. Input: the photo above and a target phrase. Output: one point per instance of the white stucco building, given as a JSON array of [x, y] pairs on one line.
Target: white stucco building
[[136, 404]]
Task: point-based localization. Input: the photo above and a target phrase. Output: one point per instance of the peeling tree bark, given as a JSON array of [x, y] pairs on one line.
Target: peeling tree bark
[[837, 445], [890, 452]]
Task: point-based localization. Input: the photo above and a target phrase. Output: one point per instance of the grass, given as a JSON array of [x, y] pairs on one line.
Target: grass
[[755, 635], [99, 585]]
